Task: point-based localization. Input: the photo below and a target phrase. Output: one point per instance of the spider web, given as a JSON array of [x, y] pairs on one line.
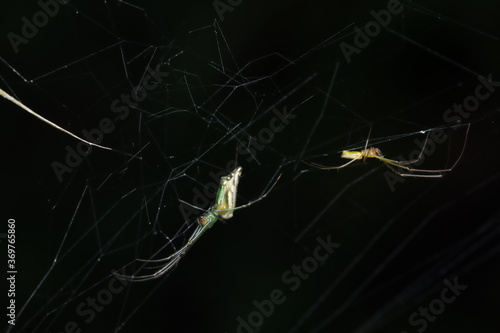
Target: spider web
[[265, 86]]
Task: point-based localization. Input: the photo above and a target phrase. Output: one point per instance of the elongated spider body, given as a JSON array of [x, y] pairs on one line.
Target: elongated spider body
[[394, 165]]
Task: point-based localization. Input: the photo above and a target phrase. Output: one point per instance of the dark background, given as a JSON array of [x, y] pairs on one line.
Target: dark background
[[397, 246]]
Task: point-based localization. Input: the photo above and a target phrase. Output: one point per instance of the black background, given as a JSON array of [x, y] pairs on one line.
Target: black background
[[397, 246]]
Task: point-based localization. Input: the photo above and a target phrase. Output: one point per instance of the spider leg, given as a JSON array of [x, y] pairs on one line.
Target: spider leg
[[148, 277], [253, 201], [421, 155], [397, 164], [403, 164], [366, 144], [409, 174], [170, 261], [323, 167], [191, 205], [423, 148]]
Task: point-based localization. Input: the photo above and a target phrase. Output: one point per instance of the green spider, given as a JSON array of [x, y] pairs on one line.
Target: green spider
[[225, 205]]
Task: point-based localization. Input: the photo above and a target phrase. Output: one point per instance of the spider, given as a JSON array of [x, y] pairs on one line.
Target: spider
[[393, 165], [223, 208]]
